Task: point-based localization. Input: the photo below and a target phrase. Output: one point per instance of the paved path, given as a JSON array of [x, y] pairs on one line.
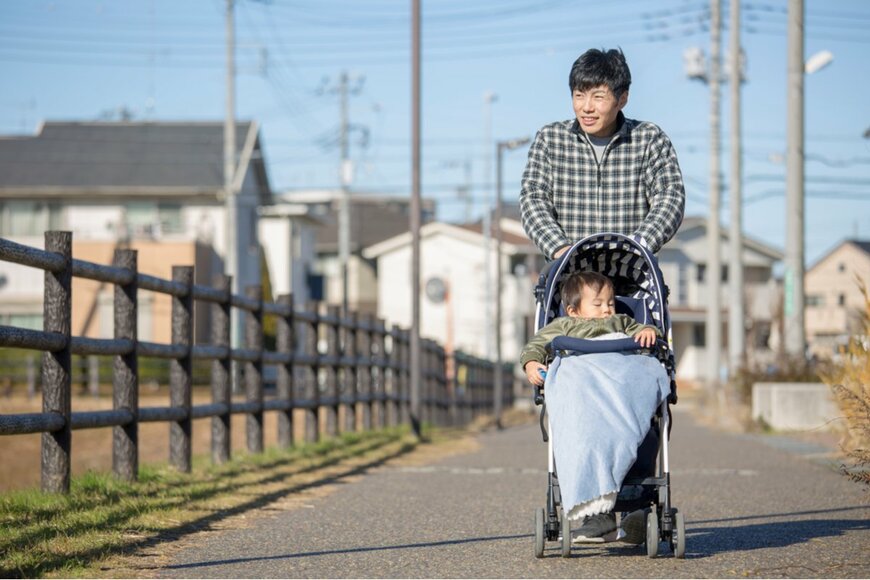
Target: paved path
[[751, 509]]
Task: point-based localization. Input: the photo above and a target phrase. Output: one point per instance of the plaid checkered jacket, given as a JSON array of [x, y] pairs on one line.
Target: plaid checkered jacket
[[636, 189]]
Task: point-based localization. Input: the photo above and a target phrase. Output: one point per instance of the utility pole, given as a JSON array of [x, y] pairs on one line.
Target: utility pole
[[345, 175], [714, 259], [489, 98], [415, 218], [500, 148], [344, 208], [231, 258], [794, 185], [736, 311]]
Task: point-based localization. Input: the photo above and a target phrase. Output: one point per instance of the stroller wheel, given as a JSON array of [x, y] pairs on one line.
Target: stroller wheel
[[566, 534], [652, 533], [539, 533], [678, 541]]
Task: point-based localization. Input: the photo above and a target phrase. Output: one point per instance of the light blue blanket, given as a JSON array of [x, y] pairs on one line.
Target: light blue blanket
[[600, 407]]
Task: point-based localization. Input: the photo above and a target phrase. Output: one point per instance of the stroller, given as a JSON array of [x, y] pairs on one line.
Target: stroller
[[640, 293]]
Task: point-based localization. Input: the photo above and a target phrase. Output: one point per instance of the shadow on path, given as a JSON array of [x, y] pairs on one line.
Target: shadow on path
[[347, 551]]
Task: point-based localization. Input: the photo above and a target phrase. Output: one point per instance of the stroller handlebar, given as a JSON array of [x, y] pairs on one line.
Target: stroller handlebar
[[585, 346]]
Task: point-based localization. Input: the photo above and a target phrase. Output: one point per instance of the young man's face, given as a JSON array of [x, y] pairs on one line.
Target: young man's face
[[596, 110], [594, 304]]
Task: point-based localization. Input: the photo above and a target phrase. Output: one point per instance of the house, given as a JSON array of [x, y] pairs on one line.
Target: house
[[458, 286], [683, 261], [157, 187], [835, 305], [373, 218]]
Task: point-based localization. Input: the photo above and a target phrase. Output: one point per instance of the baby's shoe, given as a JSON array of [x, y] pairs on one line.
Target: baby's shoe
[[594, 528]]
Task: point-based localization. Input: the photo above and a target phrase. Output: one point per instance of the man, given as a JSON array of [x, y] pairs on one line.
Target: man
[[600, 172]]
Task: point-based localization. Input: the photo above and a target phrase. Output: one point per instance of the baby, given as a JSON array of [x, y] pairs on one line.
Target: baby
[[589, 302]]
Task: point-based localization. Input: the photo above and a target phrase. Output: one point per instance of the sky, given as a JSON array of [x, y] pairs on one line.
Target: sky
[[159, 60]]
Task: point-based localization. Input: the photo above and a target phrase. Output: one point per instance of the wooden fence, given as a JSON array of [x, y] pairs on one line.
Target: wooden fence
[[363, 369]]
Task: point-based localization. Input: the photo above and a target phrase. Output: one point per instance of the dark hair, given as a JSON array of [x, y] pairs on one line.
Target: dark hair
[[596, 67], [572, 287]]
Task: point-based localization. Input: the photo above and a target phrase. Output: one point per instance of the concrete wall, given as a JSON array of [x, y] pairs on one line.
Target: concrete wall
[[794, 406]]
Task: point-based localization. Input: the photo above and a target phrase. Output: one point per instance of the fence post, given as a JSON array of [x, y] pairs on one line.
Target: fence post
[[125, 372], [94, 376], [364, 349], [180, 371], [56, 397], [379, 384], [393, 392], [426, 392], [285, 343], [332, 371], [221, 370], [31, 377], [404, 377], [254, 370], [351, 372], [312, 413]]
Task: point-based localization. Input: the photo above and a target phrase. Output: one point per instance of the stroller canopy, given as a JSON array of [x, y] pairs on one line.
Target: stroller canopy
[[633, 269]]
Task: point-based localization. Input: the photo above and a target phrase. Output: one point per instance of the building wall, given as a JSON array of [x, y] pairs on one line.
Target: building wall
[[833, 298], [92, 301], [461, 318]]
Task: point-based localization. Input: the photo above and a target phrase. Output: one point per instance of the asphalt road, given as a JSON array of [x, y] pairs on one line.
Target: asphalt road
[[751, 510]]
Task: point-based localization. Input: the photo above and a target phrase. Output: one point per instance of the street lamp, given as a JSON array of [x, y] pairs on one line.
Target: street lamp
[[793, 280], [500, 148]]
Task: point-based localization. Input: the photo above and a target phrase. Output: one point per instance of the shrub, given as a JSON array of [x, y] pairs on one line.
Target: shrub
[[850, 381]]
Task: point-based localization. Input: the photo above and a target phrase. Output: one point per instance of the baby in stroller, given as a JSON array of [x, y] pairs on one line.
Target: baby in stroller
[[590, 307], [607, 393]]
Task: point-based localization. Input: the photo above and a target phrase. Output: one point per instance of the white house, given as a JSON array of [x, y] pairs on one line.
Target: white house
[[288, 234], [835, 305], [683, 262], [457, 297], [374, 217], [154, 186]]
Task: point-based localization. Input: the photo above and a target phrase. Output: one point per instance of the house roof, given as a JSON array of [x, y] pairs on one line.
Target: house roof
[[68, 156], [507, 236], [373, 218], [863, 245], [432, 229], [692, 222]]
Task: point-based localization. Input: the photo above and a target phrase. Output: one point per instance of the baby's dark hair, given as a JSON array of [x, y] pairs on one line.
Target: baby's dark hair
[[572, 287], [598, 67]]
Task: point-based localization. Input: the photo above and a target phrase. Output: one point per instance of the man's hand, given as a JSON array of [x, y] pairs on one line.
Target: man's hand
[[533, 373], [646, 337], [560, 251]]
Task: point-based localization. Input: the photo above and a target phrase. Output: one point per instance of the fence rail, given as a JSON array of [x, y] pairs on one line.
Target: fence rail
[[361, 374]]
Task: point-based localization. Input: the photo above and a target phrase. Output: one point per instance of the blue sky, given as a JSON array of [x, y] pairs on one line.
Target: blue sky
[[164, 60]]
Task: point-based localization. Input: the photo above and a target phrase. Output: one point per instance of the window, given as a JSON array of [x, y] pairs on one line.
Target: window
[[29, 321], [841, 300], [724, 276], [699, 335], [701, 272], [29, 218], [146, 218], [841, 267], [815, 300], [682, 285]]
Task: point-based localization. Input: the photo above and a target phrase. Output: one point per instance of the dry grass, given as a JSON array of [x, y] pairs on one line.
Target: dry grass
[[850, 381]]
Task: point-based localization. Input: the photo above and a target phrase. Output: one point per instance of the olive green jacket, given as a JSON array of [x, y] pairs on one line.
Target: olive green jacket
[[538, 347]]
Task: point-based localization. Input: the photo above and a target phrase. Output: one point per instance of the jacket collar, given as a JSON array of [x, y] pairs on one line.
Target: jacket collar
[[623, 128]]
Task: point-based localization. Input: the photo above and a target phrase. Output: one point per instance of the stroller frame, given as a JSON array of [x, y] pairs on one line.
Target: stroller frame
[[643, 488]]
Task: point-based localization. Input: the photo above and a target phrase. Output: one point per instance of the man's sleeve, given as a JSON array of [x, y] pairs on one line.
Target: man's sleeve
[[664, 181], [536, 200]]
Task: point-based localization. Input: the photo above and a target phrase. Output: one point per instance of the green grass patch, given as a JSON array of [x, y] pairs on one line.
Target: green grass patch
[[70, 535]]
